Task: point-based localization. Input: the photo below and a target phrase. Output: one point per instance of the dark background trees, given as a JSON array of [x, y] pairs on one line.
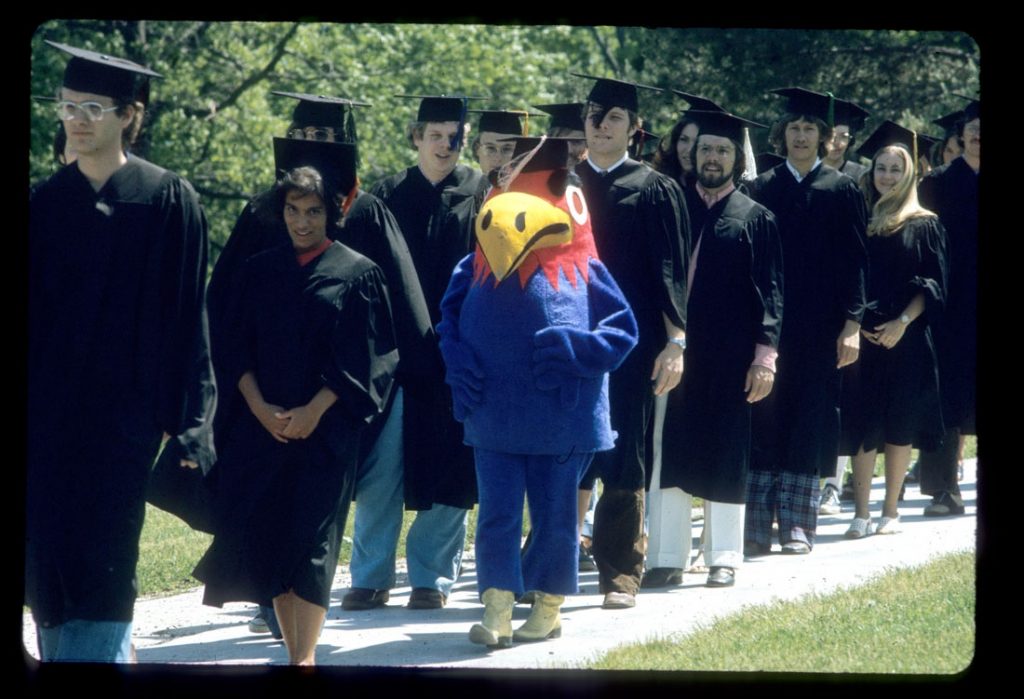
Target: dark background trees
[[212, 116]]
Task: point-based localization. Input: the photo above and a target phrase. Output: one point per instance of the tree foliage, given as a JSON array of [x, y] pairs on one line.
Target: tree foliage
[[211, 118]]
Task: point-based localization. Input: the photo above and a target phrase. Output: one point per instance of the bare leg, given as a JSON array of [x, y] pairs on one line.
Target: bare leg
[[897, 458], [863, 470], [582, 505], [303, 620]]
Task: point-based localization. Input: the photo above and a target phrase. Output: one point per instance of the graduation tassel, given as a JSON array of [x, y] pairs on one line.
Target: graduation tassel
[[350, 198], [750, 171], [831, 110]]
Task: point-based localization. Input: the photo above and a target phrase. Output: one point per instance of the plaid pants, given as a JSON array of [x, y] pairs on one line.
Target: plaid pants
[[792, 497]]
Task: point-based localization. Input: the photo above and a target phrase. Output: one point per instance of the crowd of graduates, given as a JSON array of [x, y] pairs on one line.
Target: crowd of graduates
[[713, 324]]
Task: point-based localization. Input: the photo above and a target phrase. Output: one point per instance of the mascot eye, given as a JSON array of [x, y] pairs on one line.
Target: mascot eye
[[521, 221], [486, 223]]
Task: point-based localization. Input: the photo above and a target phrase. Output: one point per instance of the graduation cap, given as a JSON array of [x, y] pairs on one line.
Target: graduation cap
[[438, 108], [324, 111], [100, 74], [889, 133], [553, 153], [851, 114], [766, 161], [697, 102], [610, 92], [800, 100], [567, 115], [645, 143], [722, 123], [336, 162], [950, 123], [973, 110], [926, 142], [504, 121]]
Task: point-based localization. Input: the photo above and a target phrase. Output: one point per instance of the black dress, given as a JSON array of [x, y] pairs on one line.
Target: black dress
[[894, 396], [118, 355], [281, 507], [436, 222], [821, 222], [642, 233], [735, 303]]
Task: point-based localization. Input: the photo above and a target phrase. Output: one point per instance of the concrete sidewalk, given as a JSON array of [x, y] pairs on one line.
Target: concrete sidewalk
[[179, 629]]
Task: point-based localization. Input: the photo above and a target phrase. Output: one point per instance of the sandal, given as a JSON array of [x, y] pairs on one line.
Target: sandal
[[889, 525], [860, 527]]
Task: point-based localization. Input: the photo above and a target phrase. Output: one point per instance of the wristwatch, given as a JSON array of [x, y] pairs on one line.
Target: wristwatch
[[678, 341], [905, 319]]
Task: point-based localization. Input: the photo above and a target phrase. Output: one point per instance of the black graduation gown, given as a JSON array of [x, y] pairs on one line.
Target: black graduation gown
[[735, 303], [280, 508], [118, 355], [894, 395], [951, 191], [642, 233], [821, 222], [853, 170], [436, 222], [368, 228]]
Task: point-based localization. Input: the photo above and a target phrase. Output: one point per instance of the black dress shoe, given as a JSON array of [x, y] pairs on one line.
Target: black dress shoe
[[753, 549], [662, 577], [359, 598], [721, 576], [426, 598]]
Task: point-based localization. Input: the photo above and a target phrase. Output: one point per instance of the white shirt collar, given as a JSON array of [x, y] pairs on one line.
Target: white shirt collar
[[796, 175], [600, 171]]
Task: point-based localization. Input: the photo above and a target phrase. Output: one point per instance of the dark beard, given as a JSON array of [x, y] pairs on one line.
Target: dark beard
[[712, 182]]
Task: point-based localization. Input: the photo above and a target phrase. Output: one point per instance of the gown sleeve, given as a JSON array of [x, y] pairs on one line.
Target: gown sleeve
[[186, 393], [363, 354], [853, 252], [767, 278], [931, 278], [667, 224], [462, 369]]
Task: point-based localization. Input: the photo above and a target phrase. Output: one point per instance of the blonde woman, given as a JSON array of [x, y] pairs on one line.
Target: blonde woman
[[895, 402]]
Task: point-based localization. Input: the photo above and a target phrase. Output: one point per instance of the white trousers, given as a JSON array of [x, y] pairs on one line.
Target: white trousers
[[669, 526]]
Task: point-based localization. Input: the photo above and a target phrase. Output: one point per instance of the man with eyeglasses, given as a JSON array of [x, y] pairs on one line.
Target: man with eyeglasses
[[733, 318], [849, 119], [491, 146], [118, 359]]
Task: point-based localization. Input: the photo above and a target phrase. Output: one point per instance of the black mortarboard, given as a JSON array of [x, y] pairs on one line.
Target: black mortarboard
[[972, 111], [645, 143], [336, 162], [438, 108], [553, 154], [851, 114], [323, 111], [888, 133], [802, 101], [100, 74], [503, 121], [609, 92], [697, 102], [949, 122], [766, 161], [568, 115], [926, 142], [721, 123]]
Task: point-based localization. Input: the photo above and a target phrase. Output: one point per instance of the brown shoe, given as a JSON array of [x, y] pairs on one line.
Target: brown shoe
[[426, 598], [361, 598], [618, 600]]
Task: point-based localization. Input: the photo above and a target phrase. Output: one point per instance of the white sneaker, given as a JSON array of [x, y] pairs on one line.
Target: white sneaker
[[830, 504], [889, 525], [860, 527]]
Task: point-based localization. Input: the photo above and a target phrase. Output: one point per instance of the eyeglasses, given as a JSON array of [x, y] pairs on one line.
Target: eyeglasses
[[311, 133], [93, 111]]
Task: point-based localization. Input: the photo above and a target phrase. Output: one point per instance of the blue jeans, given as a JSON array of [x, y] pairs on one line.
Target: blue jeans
[[86, 641], [379, 501], [436, 539], [549, 484]]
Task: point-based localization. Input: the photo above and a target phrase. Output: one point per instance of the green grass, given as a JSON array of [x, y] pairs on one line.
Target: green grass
[[912, 621], [169, 550]]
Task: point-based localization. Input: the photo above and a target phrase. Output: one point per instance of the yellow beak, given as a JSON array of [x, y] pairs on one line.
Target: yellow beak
[[512, 224]]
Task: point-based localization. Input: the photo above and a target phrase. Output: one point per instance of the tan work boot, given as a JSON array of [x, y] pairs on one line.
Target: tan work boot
[[544, 622], [495, 631]]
